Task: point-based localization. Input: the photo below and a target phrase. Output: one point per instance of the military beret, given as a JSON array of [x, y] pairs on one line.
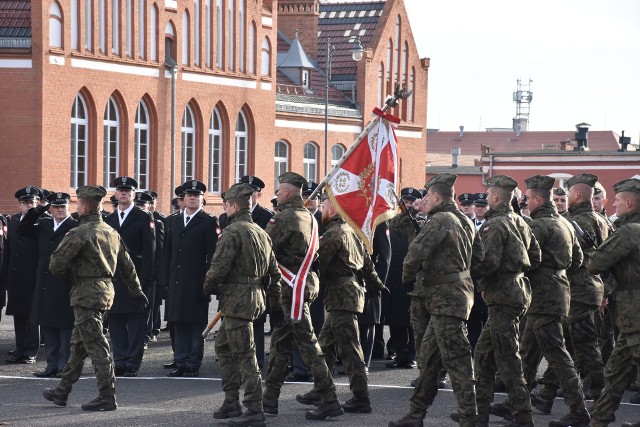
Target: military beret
[[480, 199], [410, 193], [58, 199], [631, 184], [598, 188], [466, 198], [447, 179], [582, 178], [540, 182], [194, 187], [142, 197], [153, 194], [125, 183], [29, 193], [93, 192], [114, 201], [291, 178], [179, 192], [256, 183], [560, 191], [502, 181], [239, 191], [309, 188]]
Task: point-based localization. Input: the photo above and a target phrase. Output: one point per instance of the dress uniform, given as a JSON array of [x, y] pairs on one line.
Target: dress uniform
[[480, 204], [153, 327], [190, 243], [51, 308], [127, 323], [3, 264]]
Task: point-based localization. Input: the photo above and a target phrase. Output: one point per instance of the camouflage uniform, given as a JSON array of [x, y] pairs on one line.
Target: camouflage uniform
[[587, 292], [243, 258], [290, 232], [510, 249], [342, 256], [619, 254], [89, 256]]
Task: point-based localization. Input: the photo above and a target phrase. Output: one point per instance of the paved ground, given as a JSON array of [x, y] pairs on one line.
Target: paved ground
[[152, 399]]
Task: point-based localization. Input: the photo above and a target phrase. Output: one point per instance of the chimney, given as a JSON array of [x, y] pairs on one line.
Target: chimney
[[455, 156], [461, 131], [624, 142], [302, 15], [582, 137], [518, 130]]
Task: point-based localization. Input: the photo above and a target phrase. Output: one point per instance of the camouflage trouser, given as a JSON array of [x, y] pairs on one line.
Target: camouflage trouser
[[445, 343], [543, 337], [236, 353], [604, 325], [281, 347], [419, 320], [584, 335], [87, 340], [498, 349], [619, 373], [340, 330]]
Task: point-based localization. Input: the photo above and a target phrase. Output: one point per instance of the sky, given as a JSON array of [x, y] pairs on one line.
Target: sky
[[582, 55]]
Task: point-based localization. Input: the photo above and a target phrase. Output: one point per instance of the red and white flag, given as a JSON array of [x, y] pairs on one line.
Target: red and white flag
[[362, 189]]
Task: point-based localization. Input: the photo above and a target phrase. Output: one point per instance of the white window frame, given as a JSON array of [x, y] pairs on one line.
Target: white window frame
[[280, 163], [310, 164], [219, 34], [215, 153], [231, 39], [242, 147], [188, 133], [196, 32], [142, 48], [75, 25], [129, 28], [79, 163], [55, 25], [337, 151], [265, 58], [88, 25], [153, 33], [111, 145], [185, 38], [115, 27], [242, 28], [207, 40], [252, 48], [142, 147]]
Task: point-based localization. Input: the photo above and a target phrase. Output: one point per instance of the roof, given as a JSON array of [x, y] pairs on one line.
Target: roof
[[15, 19], [341, 23], [295, 56], [460, 170]]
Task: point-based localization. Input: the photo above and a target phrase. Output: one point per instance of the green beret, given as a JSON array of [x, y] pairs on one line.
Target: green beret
[[540, 182], [560, 191], [582, 178], [239, 191], [502, 181], [93, 192], [631, 184], [447, 179], [598, 188], [293, 179]]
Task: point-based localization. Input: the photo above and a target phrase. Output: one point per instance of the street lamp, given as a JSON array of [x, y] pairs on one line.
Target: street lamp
[[356, 54]]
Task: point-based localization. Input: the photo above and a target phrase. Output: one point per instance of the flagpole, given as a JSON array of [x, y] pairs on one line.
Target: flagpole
[[390, 102]]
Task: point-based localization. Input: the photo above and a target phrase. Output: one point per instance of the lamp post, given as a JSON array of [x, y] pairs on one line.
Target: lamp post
[[356, 54]]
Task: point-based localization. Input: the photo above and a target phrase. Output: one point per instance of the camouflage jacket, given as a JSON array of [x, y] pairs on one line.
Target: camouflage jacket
[[560, 252], [403, 225], [440, 259], [510, 249], [290, 232], [243, 259], [620, 253], [587, 288], [343, 259], [89, 256], [607, 279]]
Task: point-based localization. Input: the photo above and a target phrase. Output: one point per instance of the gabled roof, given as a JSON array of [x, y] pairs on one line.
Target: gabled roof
[[15, 19], [295, 57]]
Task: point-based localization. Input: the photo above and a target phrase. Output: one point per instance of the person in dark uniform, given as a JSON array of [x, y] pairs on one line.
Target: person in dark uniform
[[261, 216], [22, 254], [127, 322], [114, 203], [153, 327], [51, 309], [480, 207], [465, 200], [189, 245], [3, 264]]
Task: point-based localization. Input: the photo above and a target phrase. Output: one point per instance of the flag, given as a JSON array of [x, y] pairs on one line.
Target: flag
[[362, 188]]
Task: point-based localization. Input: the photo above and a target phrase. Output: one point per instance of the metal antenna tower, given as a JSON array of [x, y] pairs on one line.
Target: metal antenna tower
[[522, 97]]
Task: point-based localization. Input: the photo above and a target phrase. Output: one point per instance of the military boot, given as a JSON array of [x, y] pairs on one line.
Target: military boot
[[541, 404], [408, 420], [522, 421], [249, 419], [270, 404], [480, 420], [502, 410], [56, 396], [360, 405], [230, 409], [631, 424], [309, 398], [101, 403], [575, 418], [324, 410]]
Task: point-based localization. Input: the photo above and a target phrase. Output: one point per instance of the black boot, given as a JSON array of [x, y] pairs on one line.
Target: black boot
[[324, 410], [309, 398], [541, 404], [502, 410], [358, 405], [56, 396], [576, 418], [269, 404], [230, 408], [408, 420], [101, 403], [249, 419]]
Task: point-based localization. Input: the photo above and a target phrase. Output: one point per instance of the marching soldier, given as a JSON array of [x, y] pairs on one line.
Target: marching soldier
[[89, 256], [242, 265]]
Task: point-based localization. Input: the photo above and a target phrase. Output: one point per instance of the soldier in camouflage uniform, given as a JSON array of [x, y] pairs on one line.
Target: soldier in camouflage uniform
[[619, 255], [89, 256], [587, 290], [560, 200], [342, 259], [550, 303], [291, 232], [441, 256], [510, 250], [241, 266]]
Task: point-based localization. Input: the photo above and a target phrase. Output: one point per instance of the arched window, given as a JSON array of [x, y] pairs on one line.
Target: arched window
[[397, 46], [129, 28], [79, 146], [111, 143], [102, 26], [241, 146], [389, 61], [241, 35], [142, 29], [196, 32], [169, 44], [380, 84], [75, 25], [280, 160], [185, 38], [188, 145], [141, 149], [310, 161], [252, 48], [55, 25], [337, 151], [412, 86], [153, 32], [115, 26], [266, 57], [207, 30], [88, 25], [405, 60], [219, 34], [231, 45], [215, 152]]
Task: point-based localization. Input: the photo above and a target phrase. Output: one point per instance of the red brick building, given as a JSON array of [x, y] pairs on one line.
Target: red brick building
[[87, 91]]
